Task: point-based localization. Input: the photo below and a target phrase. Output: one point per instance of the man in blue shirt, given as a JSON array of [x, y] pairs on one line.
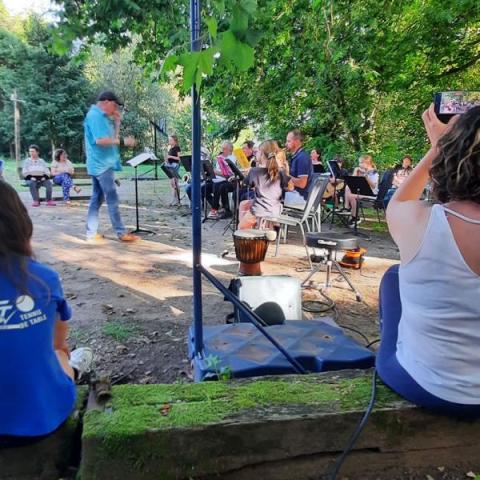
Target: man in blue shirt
[[102, 141], [301, 169]]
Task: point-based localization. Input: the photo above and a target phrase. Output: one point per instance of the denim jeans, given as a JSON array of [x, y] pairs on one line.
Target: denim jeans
[[104, 189], [35, 187]]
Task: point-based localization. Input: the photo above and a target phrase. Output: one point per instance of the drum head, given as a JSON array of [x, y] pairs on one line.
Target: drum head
[[251, 234]]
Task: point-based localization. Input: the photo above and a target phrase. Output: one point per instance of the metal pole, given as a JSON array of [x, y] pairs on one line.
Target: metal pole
[[16, 116], [196, 196], [155, 162]]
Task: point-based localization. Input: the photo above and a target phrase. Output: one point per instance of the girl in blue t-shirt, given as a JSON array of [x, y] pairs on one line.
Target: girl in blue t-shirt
[[37, 371]]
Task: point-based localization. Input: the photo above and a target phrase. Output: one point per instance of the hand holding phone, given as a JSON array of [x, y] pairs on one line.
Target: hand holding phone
[[448, 104]]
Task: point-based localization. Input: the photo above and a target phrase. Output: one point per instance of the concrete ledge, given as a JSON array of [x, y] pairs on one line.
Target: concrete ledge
[[50, 458], [290, 427]]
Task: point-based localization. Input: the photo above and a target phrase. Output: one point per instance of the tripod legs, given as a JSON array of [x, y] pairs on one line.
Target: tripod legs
[[330, 262]]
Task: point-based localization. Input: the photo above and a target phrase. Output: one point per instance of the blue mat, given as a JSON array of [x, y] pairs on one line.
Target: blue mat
[[319, 347]]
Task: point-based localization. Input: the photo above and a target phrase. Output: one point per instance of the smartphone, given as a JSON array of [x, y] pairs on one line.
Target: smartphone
[[448, 104]]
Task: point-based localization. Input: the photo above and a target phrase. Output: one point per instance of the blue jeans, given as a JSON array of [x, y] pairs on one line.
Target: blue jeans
[[390, 371], [104, 188], [35, 185], [66, 181]]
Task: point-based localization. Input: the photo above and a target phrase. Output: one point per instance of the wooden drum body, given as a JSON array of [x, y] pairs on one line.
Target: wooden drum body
[[250, 249]]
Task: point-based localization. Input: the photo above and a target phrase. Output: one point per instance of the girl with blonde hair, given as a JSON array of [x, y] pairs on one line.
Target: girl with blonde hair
[[269, 181]]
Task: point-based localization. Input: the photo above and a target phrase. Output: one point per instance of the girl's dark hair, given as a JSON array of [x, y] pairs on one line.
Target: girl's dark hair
[[15, 235], [58, 153], [455, 171]]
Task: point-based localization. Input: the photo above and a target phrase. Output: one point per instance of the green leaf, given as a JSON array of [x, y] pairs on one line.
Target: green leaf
[[239, 22], [212, 26], [250, 6], [228, 45], [245, 56], [206, 61], [170, 63], [190, 67]]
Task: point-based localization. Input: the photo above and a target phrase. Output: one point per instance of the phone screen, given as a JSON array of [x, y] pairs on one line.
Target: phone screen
[[448, 104]]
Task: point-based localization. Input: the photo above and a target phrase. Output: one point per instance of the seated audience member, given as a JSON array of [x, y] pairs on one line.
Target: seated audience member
[[62, 172], [316, 158], [37, 174], [301, 169], [37, 369], [221, 186], [269, 182], [400, 173], [366, 168], [429, 308]]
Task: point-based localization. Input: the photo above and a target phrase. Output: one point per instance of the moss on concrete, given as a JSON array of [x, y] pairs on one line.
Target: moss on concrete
[[136, 408]]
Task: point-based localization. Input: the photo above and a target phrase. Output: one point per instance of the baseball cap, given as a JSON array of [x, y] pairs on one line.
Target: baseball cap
[[107, 95]]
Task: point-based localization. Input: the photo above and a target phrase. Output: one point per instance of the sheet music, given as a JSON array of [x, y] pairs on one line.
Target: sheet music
[[143, 157]]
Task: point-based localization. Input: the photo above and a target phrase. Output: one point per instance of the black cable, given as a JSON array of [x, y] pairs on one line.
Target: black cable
[[358, 332], [373, 342], [358, 430]]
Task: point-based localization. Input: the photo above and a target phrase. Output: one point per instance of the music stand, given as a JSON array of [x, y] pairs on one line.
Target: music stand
[[208, 174], [135, 162], [359, 186], [186, 161], [239, 177], [336, 173]]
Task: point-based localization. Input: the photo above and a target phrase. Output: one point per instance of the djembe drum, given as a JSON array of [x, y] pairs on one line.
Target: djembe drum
[[250, 248]]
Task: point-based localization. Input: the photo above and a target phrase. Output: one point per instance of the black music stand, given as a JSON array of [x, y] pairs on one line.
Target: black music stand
[[335, 173], [135, 162], [186, 161], [239, 177], [208, 174], [359, 186]]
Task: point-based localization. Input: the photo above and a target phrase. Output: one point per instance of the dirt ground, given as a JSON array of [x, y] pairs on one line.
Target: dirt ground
[[133, 303]]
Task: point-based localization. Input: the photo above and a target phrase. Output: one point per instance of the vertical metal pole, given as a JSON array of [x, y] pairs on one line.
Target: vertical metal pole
[[16, 117], [155, 162], [196, 195]]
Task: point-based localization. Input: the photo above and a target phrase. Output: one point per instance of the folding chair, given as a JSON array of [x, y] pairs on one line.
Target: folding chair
[[314, 200]]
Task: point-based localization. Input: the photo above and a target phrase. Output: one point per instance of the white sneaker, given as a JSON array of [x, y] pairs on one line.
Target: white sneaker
[[81, 359]]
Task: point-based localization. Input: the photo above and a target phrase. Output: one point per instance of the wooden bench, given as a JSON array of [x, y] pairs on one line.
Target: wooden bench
[[81, 178], [50, 458], [290, 427]]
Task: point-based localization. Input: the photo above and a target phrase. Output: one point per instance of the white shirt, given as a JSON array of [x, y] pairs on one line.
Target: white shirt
[[439, 331]]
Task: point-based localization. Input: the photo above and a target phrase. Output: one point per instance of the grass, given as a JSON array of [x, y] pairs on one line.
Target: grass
[[119, 330]]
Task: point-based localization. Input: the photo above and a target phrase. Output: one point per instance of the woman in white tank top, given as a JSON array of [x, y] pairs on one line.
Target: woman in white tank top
[[429, 306]]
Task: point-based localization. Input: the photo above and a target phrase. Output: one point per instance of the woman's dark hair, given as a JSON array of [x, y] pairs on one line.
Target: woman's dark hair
[[455, 171], [15, 235], [35, 147], [58, 153]]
